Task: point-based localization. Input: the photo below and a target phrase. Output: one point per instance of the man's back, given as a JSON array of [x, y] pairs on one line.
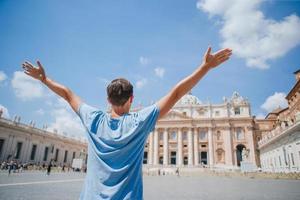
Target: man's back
[[115, 152]]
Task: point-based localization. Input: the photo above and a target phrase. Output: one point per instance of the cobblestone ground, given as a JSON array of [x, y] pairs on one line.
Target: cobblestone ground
[[67, 186]]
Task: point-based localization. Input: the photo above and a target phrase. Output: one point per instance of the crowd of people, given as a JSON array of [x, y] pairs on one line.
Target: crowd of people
[[13, 166]]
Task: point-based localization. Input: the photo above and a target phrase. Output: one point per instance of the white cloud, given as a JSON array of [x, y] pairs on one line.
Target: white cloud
[[25, 87], [141, 83], [159, 71], [144, 60], [5, 113], [65, 120], [2, 76], [40, 111], [275, 101], [250, 34]]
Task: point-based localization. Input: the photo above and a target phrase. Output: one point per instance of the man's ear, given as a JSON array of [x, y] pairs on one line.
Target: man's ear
[[131, 99]]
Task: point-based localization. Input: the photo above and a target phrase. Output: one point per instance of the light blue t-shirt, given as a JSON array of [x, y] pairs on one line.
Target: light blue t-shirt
[[115, 152]]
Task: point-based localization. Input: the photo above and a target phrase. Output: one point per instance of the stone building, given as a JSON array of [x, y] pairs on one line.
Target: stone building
[[195, 133], [279, 132], [28, 144]]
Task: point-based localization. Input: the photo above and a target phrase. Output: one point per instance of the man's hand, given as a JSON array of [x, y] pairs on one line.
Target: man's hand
[[39, 74], [35, 72], [213, 60], [209, 61]]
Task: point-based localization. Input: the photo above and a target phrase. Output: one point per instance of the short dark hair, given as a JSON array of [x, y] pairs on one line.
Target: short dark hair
[[119, 91]]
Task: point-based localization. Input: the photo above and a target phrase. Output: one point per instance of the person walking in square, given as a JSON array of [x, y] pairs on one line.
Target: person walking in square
[[116, 140]]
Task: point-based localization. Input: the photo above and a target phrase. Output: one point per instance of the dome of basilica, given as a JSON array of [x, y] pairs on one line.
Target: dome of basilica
[[188, 99]]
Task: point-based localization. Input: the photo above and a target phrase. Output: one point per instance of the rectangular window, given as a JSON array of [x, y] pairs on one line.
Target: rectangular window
[[33, 151], [173, 157], [280, 161], [161, 136], [1, 145], [173, 135], [18, 150], [217, 113], [66, 156], [74, 155], [52, 148], [203, 135], [161, 160], [184, 136], [46, 154], [56, 155], [237, 111]]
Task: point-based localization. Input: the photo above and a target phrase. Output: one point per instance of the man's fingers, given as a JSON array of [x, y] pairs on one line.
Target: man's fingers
[[223, 59], [221, 56], [208, 51], [39, 64], [29, 64], [27, 67], [222, 52], [26, 72]]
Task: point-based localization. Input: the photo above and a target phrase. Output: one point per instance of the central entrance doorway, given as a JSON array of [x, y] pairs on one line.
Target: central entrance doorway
[[239, 149]]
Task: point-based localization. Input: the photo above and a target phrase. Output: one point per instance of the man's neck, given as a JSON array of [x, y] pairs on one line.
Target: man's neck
[[117, 112]]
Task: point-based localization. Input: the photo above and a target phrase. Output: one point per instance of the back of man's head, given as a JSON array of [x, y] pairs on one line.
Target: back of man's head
[[119, 91]]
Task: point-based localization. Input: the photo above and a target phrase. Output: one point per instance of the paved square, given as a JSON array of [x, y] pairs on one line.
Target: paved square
[[67, 186]]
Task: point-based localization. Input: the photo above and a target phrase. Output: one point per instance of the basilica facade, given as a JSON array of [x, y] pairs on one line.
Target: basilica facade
[[195, 134]]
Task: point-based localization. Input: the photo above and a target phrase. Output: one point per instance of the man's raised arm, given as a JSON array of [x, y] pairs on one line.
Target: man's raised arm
[[39, 74], [209, 61]]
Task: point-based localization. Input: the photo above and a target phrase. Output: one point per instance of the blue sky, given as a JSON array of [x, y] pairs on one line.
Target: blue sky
[[154, 44]]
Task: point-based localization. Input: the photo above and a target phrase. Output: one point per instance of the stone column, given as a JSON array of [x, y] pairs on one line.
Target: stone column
[[196, 148], [155, 149], [166, 148], [9, 148], [179, 147], [228, 147], [250, 140], [190, 147], [150, 149], [40, 148], [26, 149], [210, 147]]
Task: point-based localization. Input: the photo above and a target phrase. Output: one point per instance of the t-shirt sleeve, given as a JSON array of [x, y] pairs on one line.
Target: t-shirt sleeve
[[148, 116], [88, 116]]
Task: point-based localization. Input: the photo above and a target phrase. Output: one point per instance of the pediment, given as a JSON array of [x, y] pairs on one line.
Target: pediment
[[175, 115]]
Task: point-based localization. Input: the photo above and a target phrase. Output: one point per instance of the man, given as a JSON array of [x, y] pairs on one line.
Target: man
[[116, 140], [49, 167]]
